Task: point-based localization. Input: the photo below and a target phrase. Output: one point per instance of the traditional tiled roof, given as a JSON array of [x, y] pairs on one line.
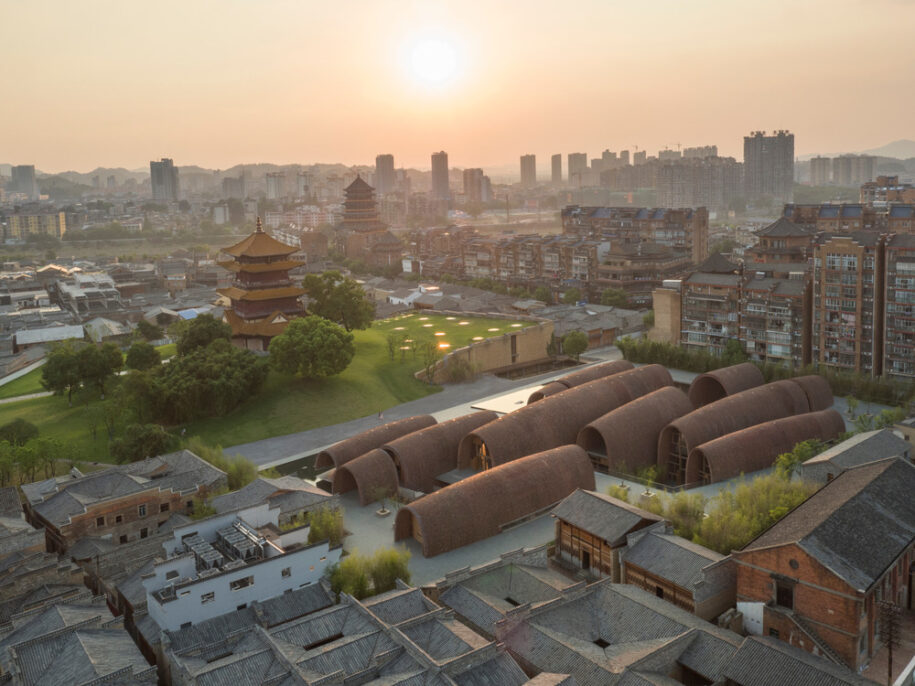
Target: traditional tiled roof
[[671, 557], [271, 325], [236, 293], [836, 524], [763, 661], [288, 493], [260, 267], [181, 471], [862, 448], [784, 227], [259, 244], [717, 264], [603, 516], [10, 506]]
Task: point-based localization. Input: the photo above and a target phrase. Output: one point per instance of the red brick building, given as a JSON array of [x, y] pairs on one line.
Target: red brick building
[[119, 504], [816, 578]]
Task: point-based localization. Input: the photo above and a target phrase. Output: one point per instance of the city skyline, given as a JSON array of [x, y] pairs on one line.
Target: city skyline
[[277, 82]]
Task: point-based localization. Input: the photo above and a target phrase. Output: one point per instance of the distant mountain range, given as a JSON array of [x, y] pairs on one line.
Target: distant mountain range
[[902, 149]]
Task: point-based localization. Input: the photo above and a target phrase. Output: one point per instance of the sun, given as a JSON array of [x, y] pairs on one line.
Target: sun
[[433, 61]]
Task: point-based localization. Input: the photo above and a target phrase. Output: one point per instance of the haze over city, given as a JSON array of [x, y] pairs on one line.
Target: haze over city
[[216, 83]]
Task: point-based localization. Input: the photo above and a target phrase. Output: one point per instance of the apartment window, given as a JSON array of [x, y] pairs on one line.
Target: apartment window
[[144, 533], [141, 510], [287, 572], [100, 521], [171, 574], [118, 519], [207, 597], [239, 584], [163, 507]]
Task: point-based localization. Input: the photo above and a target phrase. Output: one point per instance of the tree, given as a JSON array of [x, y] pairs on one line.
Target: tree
[[648, 319], [141, 441], [387, 566], [734, 352], [61, 372], [350, 576], [205, 382], [98, 364], [575, 343], [542, 293], [339, 299], [326, 524], [312, 347], [614, 297], [18, 432], [571, 296], [200, 332], [788, 464], [430, 354], [143, 356], [150, 332]]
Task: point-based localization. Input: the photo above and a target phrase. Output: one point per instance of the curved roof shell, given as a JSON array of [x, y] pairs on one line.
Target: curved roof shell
[[817, 390], [597, 371], [368, 473], [479, 506], [340, 453], [628, 435], [557, 419], [720, 383], [756, 447], [733, 413], [421, 456]]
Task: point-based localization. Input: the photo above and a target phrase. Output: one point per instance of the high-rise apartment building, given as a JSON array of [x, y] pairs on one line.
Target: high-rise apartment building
[[639, 157], [899, 317], [276, 185], [21, 226], [820, 171], [384, 174], [235, 187], [163, 176], [556, 169], [528, 171], [769, 165], [848, 276], [23, 180], [577, 166], [473, 186], [853, 170], [302, 184], [441, 190]]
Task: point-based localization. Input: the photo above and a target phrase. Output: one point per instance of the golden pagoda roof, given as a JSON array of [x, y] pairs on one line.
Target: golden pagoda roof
[[260, 267], [236, 293], [272, 325], [259, 244]]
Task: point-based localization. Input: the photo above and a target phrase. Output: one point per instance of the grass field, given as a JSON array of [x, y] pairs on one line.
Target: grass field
[[24, 385], [373, 382]]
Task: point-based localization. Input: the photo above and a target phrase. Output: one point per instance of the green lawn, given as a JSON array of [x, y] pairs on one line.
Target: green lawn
[[24, 385], [373, 382]]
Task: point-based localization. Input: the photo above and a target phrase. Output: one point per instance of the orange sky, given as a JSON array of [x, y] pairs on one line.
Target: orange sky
[[89, 83]]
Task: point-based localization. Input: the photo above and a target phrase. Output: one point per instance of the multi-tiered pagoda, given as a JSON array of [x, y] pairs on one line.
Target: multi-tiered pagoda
[[263, 296], [362, 234]]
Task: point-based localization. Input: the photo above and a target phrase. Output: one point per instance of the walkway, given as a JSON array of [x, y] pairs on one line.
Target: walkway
[[902, 655], [27, 396], [454, 401]]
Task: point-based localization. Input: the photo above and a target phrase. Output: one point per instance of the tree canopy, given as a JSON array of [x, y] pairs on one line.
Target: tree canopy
[[339, 299], [542, 293], [151, 332], [143, 356], [571, 296], [312, 347], [614, 297], [141, 441], [574, 343], [200, 332], [96, 365], [60, 373]]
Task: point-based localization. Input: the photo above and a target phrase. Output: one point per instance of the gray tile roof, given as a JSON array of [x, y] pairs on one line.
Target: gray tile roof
[[9, 502], [862, 448], [836, 524], [764, 661], [288, 493], [598, 514], [182, 471], [671, 557]]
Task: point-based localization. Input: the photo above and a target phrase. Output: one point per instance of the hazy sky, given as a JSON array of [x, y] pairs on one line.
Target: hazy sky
[[89, 83]]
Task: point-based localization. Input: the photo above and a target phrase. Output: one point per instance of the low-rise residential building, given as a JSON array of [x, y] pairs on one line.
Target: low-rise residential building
[[637, 271], [293, 497], [681, 572], [775, 324], [591, 530], [815, 579], [222, 563], [710, 306], [22, 225], [121, 503], [860, 449]]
